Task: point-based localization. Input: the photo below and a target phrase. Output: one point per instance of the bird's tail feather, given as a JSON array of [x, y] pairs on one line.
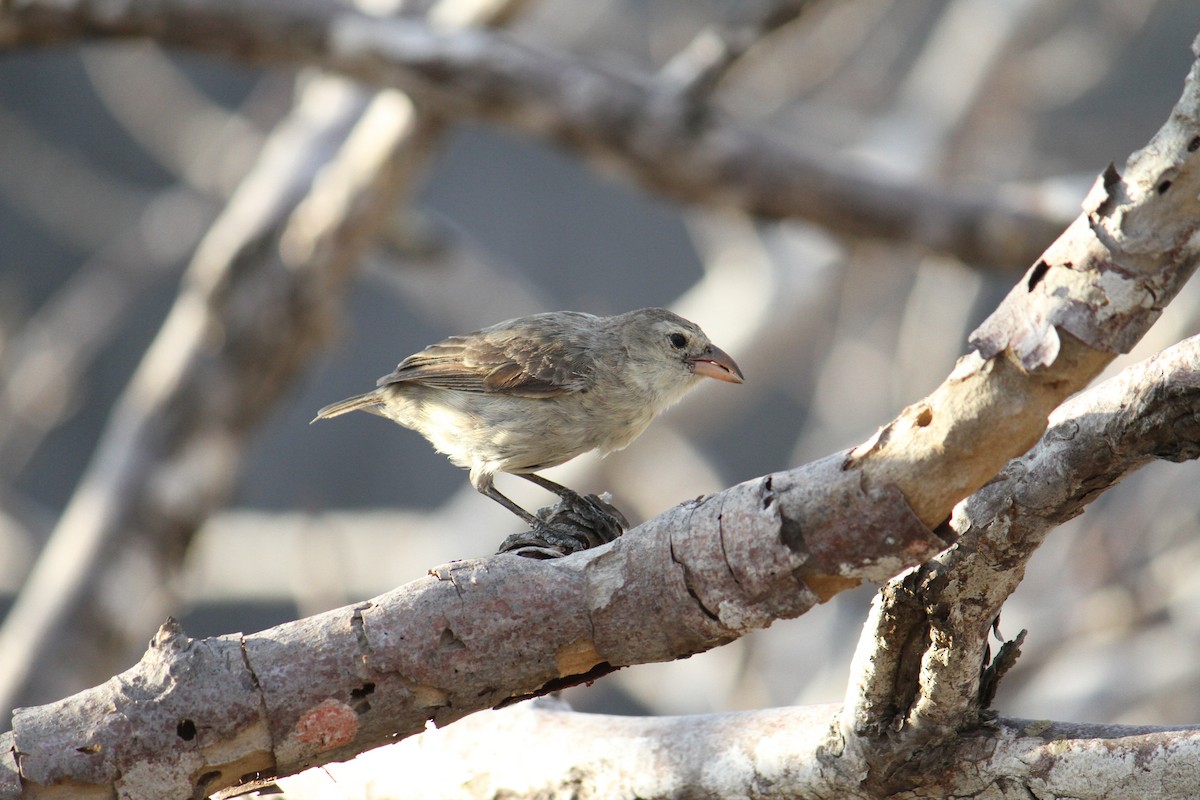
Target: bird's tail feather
[[360, 401]]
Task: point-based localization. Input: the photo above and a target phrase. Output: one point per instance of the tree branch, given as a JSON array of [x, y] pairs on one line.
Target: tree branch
[[1094, 293], [521, 752], [640, 127], [330, 686], [915, 679]]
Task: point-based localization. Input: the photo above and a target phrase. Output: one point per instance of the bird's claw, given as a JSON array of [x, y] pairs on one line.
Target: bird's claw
[[577, 523]]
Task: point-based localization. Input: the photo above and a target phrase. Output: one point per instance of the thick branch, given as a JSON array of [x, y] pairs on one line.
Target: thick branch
[[916, 676], [1150, 411], [474, 635], [539, 751], [1094, 293], [645, 129]]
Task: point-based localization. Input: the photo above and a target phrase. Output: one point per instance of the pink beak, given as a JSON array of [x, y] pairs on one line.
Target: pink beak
[[716, 363]]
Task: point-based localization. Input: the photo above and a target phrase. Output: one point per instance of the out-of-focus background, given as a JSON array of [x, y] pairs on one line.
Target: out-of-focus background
[[115, 158]]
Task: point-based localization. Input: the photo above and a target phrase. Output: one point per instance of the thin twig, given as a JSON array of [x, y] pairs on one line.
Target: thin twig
[[697, 69]]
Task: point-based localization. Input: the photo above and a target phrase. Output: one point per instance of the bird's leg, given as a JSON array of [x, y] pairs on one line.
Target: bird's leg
[[569, 495], [489, 490]]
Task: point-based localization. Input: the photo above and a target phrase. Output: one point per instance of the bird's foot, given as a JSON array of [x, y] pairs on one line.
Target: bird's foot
[[577, 523]]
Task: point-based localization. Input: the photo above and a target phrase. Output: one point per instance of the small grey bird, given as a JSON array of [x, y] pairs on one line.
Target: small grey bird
[[536, 391]]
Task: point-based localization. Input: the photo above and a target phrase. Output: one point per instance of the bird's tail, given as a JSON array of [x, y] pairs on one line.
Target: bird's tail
[[361, 401]]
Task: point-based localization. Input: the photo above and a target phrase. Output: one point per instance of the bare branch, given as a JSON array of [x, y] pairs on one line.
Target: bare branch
[[625, 122], [92, 202], [1093, 293], [333, 685], [41, 365], [916, 677], [1150, 411], [207, 148], [524, 752]]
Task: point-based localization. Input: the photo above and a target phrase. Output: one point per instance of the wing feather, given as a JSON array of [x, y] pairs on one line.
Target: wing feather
[[544, 355]]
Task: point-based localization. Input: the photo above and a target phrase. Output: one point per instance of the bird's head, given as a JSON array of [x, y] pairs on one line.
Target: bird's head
[[669, 353]]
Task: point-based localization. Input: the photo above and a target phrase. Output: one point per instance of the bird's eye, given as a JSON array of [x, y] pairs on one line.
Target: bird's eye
[[677, 340]]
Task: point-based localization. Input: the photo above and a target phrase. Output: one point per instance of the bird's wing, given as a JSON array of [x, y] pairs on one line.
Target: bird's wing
[[541, 363]]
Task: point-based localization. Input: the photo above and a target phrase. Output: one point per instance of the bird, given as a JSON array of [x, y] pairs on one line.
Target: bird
[[534, 392]]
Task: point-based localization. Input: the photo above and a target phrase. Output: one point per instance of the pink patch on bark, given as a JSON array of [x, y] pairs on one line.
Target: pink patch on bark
[[327, 725]]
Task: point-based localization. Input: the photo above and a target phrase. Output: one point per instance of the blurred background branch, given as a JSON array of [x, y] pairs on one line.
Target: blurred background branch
[[664, 140]]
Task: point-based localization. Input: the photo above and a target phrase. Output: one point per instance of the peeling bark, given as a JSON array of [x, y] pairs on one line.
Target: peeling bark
[[916, 678], [1093, 294]]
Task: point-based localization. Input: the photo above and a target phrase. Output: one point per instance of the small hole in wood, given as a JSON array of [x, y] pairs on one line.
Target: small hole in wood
[[1039, 272]]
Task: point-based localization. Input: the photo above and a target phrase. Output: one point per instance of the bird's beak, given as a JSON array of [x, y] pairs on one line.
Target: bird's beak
[[716, 363]]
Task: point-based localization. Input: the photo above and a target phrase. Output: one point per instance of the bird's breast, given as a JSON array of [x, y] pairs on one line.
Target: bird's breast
[[498, 432]]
